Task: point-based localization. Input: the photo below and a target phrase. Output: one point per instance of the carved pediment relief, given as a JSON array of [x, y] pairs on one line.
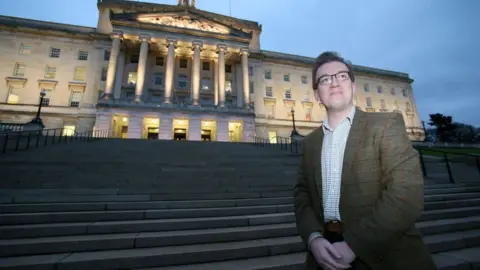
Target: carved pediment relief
[[183, 21]]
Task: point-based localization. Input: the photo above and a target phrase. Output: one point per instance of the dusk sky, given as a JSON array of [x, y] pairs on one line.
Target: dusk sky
[[437, 42]]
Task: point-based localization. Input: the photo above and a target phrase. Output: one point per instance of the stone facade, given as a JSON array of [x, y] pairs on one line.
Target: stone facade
[[171, 72]]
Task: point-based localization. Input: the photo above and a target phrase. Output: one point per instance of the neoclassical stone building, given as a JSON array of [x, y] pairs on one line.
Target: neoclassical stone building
[[171, 72]]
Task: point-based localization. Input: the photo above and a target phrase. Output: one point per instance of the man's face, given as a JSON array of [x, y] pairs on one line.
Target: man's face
[[335, 92]]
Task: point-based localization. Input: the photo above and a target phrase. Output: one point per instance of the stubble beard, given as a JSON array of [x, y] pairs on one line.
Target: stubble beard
[[340, 106]]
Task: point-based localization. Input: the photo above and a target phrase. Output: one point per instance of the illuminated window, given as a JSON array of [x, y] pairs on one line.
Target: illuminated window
[[68, 130], [132, 78], [50, 72], [13, 97], [79, 74]]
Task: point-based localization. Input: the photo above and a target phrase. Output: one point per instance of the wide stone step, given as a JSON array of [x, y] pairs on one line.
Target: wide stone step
[[463, 259], [191, 254], [168, 189], [454, 190], [453, 240], [448, 225], [271, 207], [46, 245], [292, 261], [99, 206], [145, 197], [451, 204], [449, 213], [59, 217], [440, 195], [132, 226], [450, 197], [28, 179], [143, 225], [159, 256]]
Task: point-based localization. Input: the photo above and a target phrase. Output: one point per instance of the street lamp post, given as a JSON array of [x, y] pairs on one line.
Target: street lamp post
[[424, 131], [37, 120], [294, 131]]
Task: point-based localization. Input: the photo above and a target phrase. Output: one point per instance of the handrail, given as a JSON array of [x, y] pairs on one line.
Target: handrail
[[285, 143], [295, 146], [24, 140], [448, 166]]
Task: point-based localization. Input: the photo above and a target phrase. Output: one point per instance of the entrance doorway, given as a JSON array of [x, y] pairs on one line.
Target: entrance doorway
[[180, 129], [235, 131], [208, 130], [150, 128], [179, 134], [152, 133], [119, 126], [206, 135], [124, 132]]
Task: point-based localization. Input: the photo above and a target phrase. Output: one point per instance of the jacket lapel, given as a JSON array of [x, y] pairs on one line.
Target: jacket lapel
[[317, 159], [357, 132]]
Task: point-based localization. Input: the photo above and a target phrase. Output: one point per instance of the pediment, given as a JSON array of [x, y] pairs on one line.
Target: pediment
[[185, 21]]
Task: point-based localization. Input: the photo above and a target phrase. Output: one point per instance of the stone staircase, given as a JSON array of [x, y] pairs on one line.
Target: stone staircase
[[136, 204]]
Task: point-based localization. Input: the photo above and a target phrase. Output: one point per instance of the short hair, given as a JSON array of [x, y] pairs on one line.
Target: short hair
[[327, 57]]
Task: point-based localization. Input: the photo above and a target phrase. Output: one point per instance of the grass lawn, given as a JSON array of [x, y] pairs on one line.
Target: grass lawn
[[451, 151]]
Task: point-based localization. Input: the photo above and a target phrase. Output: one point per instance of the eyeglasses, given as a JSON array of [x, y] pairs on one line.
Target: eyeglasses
[[328, 79]]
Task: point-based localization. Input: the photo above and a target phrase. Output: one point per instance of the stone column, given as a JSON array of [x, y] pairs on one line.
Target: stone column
[[197, 45], [169, 71], [142, 65], [246, 80], [215, 82], [117, 90], [221, 49], [112, 64]]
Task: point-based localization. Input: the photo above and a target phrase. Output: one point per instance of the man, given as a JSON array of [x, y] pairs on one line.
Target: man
[[359, 188]]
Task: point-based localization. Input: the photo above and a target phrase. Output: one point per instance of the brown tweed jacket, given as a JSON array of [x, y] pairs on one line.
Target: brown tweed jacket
[[381, 194]]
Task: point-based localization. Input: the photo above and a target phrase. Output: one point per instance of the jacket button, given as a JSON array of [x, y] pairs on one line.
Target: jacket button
[[379, 259]]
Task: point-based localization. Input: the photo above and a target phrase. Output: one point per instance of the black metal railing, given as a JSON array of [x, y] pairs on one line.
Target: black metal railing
[[284, 143], [24, 140], [458, 166], [6, 127]]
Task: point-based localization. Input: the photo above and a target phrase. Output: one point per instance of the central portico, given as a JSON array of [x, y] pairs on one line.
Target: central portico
[[176, 74]]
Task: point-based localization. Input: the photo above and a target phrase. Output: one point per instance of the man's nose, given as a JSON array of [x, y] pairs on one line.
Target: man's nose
[[334, 82]]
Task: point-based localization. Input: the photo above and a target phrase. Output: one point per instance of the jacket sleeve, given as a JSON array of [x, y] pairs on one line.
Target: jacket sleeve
[[401, 201], [306, 220]]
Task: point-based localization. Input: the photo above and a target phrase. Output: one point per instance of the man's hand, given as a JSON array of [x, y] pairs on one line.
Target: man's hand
[[326, 255], [343, 249]]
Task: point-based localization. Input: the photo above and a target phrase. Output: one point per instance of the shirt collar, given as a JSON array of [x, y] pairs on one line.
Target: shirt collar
[[349, 118]]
